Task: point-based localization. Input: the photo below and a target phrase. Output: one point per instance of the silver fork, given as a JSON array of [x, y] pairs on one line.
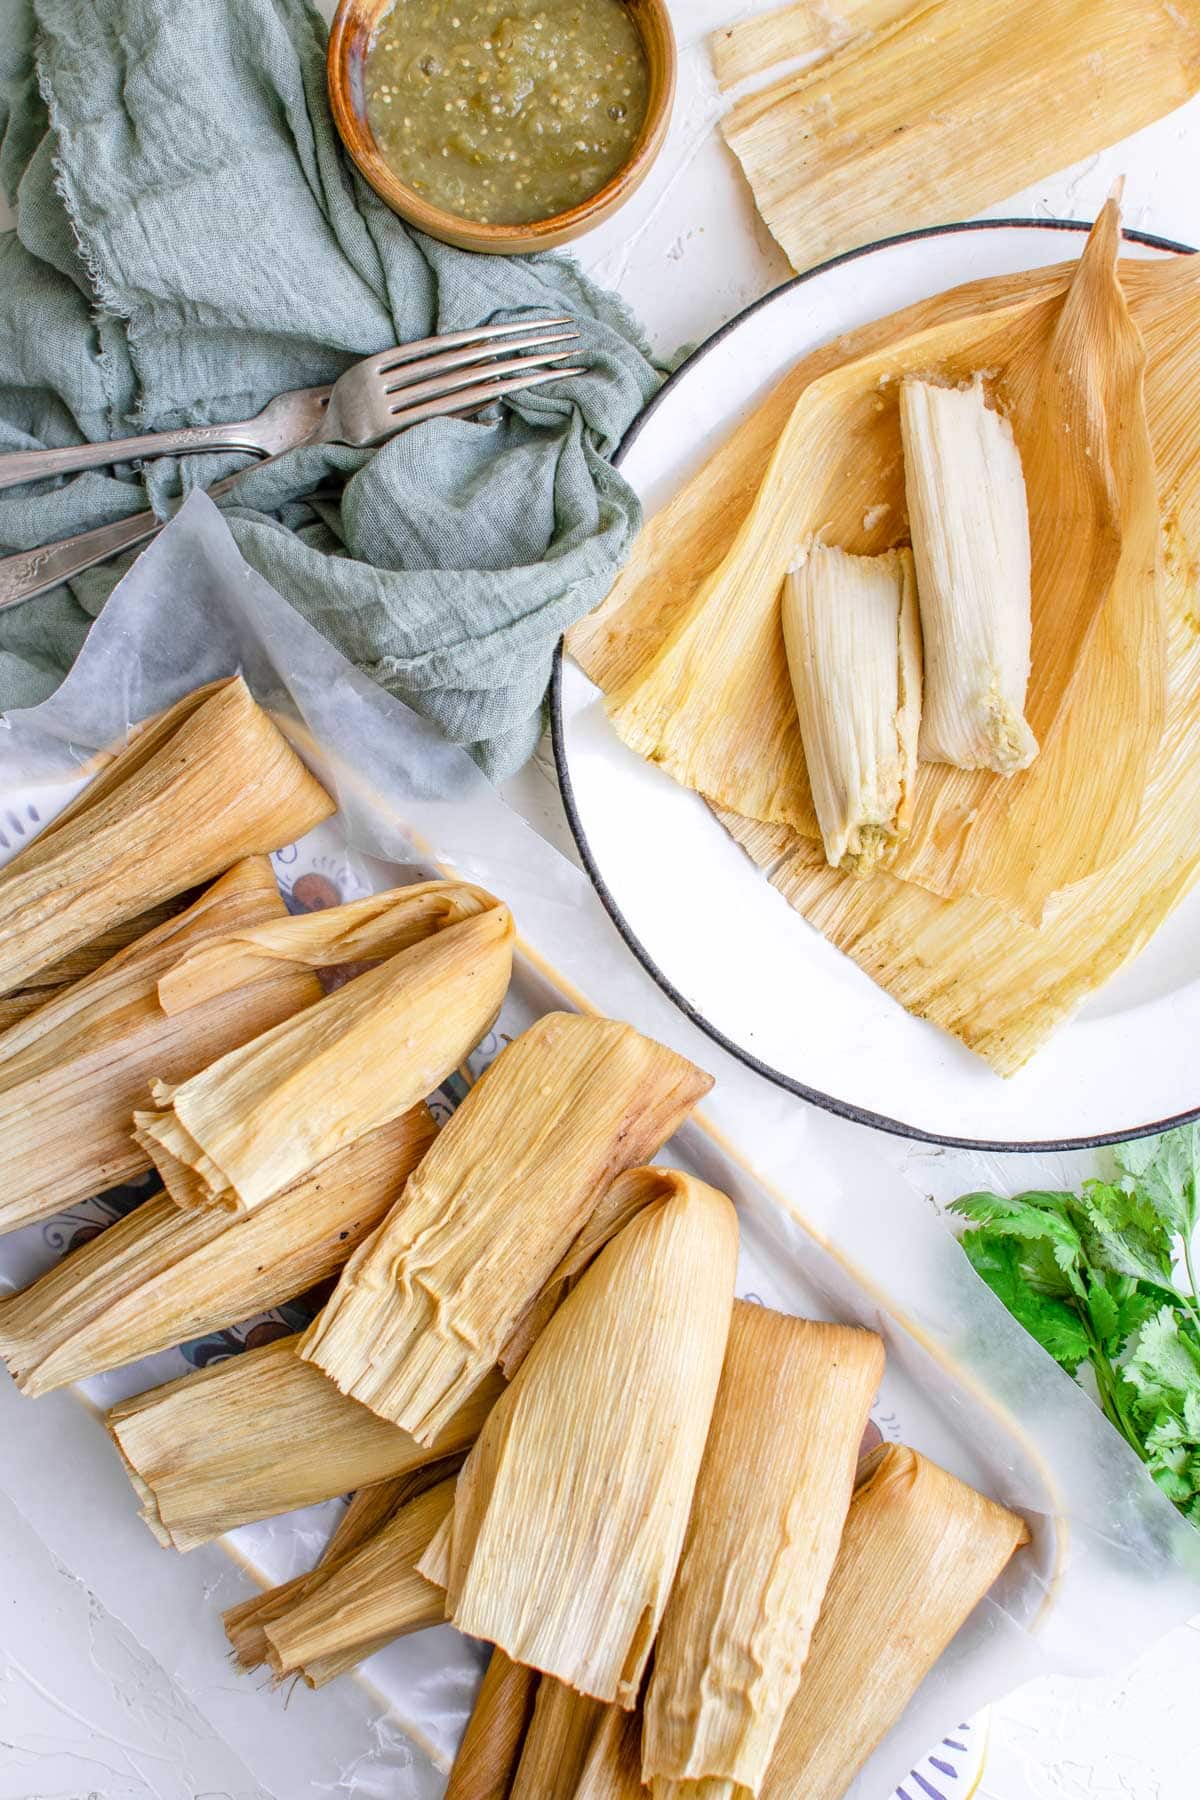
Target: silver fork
[[369, 403]]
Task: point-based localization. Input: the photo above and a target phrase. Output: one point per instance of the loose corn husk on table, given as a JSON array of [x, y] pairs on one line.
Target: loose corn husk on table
[[570, 1512], [253, 1122], [72, 1073], [164, 1273], [491, 1746], [174, 808], [262, 1434], [424, 1309], [770, 1504], [853, 644], [366, 1599], [932, 111], [920, 1550]]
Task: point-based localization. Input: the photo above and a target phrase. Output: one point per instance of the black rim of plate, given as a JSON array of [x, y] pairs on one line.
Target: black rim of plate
[[846, 1109]]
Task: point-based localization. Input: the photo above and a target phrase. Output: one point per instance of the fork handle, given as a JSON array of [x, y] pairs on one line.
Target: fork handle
[[31, 465], [31, 572]]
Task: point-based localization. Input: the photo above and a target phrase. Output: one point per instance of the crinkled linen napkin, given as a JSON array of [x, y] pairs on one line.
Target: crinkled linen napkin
[[191, 240]]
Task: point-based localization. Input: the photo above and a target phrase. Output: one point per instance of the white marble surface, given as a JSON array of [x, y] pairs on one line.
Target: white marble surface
[[113, 1678]]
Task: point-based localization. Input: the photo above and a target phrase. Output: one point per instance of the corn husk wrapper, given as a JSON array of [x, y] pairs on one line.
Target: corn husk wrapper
[[713, 704], [919, 1551], [253, 1122], [812, 28], [938, 110], [72, 1072], [613, 1770], [261, 1434], [570, 1512], [853, 644], [557, 1742], [84, 961], [424, 1309], [365, 1598], [209, 782], [767, 1518], [491, 1745], [162, 1274]]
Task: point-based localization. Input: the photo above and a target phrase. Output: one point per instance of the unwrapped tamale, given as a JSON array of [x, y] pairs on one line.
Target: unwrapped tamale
[[424, 1309], [252, 1123], [261, 1434], [570, 1512], [769, 1508], [72, 1073], [164, 1273], [919, 1551], [208, 782]]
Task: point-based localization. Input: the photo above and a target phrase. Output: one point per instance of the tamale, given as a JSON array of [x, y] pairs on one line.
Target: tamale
[[172, 810], [945, 107], [970, 529], [570, 1511], [770, 1504], [72, 1072], [254, 1121], [422, 1311], [261, 1434], [711, 702], [854, 655], [557, 1743], [919, 1551], [364, 1600], [85, 960], [491, 1745], [807, 28], [622, 1202], [164, 1274]]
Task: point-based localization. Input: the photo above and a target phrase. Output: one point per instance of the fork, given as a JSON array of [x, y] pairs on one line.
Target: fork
[[369, 403], [358, 409]]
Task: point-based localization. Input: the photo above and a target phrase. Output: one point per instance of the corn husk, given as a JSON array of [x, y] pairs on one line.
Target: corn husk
[[969, 519], [767, 1518], [569, 1515], [629, 1193], [491, 1746], [364, 1599], [713, 704], [937, 110], [210, 781], [72, 1072], [919, 1551], [84, 961], [613, 1770], [162, 1275], [262, 1434], [253, 1122], [423, 1310], [853, 647], [557, 1742], [809, 28]]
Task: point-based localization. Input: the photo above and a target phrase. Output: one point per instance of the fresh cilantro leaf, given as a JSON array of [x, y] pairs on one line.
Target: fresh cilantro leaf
[[1176, 1487], [1161, 1360], [1035, 1219], [1164, 1170], [1103, 1310], [1122, 1232], [1055, 1324]]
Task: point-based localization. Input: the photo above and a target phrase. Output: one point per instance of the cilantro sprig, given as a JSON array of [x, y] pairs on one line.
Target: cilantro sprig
[[1093, 1276]]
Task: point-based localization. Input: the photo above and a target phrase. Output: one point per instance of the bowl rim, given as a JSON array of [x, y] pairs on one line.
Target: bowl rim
[[355, 133]]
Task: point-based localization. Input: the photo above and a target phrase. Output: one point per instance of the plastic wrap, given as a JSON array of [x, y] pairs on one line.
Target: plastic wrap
[[830, 1228]]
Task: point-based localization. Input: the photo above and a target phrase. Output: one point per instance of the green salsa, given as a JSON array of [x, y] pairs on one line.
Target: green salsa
[[506, 111]]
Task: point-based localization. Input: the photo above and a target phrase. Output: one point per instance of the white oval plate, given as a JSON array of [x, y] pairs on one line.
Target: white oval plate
[[707, 925]]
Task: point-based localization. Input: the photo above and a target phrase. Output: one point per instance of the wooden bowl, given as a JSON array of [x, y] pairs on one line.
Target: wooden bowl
[[354, 24]]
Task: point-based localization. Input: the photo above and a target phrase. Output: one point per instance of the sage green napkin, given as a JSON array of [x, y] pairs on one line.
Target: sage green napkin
[[190, 241]]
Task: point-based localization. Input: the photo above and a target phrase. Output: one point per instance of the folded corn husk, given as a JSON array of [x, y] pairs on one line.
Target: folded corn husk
[[970, 529], [73, 1071], [557, 1743], [261, 1434], [770, 1504], [611, 1408], [253, 1122], [919, 1551], [423, 1310], [935, 110], [172, 809], [853, 647], [84, 961], [356, 1604], [613, 1770], [491, 1746], [163, 1274]]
